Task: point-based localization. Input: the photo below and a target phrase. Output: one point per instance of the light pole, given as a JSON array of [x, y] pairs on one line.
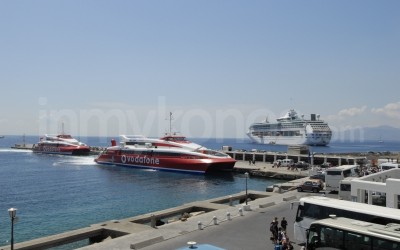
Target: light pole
[[13, 213], [247, 176]]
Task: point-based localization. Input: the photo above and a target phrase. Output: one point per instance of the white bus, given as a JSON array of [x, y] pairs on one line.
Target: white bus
[[334, 175], [315, 208], [388, 165], [344, 233], [345, 189]]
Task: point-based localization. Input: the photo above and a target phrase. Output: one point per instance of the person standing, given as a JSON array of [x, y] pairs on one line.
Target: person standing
[[284, 224], [274, 229]]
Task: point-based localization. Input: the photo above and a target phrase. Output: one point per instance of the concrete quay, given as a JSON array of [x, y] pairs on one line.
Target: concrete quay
[[264, 169], [232, 227]]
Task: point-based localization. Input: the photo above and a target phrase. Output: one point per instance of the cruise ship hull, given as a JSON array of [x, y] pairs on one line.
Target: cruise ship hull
[[293, 140]]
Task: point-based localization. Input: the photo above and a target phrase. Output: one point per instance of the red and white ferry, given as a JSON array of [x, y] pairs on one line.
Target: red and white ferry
[[170, 153], [61, 144]]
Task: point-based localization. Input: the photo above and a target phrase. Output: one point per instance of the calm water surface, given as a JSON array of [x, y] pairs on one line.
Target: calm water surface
[[54, 194]]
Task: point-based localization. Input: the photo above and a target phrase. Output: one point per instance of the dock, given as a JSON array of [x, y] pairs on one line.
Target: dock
[[267, 170], [313, 159]]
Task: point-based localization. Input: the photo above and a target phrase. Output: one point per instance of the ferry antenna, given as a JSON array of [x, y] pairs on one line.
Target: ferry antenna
[[170, 122]]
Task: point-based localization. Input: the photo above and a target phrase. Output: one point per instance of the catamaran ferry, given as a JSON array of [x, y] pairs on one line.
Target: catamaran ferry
[[291, 130], [170, 153]]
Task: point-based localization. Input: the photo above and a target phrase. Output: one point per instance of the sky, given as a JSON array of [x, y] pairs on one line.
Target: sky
[[105, 68]]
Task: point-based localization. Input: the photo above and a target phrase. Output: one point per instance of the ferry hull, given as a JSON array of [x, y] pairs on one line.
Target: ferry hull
[[195, 166]]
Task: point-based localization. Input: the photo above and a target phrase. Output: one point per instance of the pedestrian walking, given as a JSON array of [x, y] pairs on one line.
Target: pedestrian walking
[[284, 224], [274, 230]]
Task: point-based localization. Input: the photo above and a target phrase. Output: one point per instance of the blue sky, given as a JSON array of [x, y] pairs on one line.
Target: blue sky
[[119, 67]]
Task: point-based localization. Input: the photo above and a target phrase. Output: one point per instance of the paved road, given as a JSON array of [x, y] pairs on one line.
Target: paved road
[[248, 232]]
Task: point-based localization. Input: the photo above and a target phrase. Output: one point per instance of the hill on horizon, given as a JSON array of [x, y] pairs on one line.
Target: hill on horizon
[[384, 133]]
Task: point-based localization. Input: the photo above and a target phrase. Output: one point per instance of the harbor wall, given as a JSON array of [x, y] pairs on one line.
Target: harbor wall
[[315, 159]]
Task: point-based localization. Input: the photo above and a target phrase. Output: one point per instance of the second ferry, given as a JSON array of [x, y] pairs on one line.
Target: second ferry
[[292, 130]]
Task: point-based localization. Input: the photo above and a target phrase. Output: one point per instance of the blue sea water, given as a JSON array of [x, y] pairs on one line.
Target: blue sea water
[[54, 194]]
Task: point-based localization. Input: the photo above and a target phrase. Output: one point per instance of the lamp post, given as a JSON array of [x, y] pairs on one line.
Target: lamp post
[[247, 176], [13, 213]]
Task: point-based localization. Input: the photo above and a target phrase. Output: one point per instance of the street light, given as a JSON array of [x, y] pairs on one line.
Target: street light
[[13, 213], [247, 176]]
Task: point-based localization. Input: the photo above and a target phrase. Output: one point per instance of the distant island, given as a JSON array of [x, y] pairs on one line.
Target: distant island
[[379, 134]]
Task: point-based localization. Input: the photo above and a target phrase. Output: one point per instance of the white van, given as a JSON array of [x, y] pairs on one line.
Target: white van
[[287, 162], [388, 165]]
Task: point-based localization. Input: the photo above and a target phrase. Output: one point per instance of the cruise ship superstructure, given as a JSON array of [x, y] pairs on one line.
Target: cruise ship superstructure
[[291, 130]]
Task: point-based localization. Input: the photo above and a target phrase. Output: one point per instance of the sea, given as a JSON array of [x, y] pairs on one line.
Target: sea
[[55, 193]]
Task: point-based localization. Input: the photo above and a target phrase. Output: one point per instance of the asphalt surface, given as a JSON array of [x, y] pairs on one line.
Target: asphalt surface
[[249, 232]]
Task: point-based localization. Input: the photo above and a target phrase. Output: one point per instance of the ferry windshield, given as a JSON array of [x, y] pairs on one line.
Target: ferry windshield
[[211, 152]]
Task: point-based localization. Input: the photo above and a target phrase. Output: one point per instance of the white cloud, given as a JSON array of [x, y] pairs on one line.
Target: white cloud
[[391, 110], [345, 113], [352, 111]]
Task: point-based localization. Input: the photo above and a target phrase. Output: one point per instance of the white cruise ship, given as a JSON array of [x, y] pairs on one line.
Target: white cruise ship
[[291, 130]]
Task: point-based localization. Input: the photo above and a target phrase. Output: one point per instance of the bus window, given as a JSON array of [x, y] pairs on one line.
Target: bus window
[[333, 173], [346, 173], [345, 187], [300, 213]]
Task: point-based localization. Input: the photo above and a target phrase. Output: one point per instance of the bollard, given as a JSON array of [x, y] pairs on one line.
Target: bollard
[[215, 220], [153, 221], [241, 211], [200, 225], [228, 216], [230, 200]]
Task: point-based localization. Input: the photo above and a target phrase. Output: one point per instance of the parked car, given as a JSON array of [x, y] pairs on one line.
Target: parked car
[[302, 164], [311, 185], [326, 165]]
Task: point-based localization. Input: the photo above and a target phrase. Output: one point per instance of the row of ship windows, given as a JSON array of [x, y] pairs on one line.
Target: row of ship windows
[[286, 126], [287, 133], [154, 154], [277, 133], [291, 125]]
